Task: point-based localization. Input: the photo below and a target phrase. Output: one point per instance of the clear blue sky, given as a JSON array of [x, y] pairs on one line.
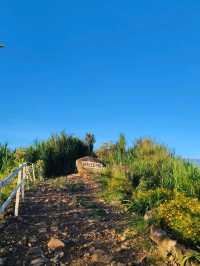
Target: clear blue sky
[[101, 66]]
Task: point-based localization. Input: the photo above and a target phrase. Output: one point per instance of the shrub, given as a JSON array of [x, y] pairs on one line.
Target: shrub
[[59, 154], [151, 165], [145, 200], [146, 147], [181, 216]]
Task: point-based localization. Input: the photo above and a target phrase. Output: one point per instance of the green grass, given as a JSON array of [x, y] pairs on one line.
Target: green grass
[[5, 191], [139, 224], [147, 175]]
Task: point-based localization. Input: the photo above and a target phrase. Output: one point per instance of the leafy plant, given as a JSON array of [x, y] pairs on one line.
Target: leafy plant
[[181, 217], [188, 258], [59, 154], [143, 201]]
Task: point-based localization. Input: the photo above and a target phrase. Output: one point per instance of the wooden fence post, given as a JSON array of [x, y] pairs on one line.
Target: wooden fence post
[[27, 177], [23, 175], [33, 170], [18, 192]]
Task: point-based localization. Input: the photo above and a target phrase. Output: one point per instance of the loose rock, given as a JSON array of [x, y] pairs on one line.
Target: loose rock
[[101, 257], [55, 243]]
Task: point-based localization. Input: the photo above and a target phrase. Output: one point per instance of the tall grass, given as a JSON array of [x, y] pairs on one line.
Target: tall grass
[[59, 153], [7, 158], [150, 165]]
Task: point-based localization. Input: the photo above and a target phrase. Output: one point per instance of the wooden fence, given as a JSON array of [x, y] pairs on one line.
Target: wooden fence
[[25, 173]]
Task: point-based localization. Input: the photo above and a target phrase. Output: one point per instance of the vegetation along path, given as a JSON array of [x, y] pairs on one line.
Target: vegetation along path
[[65, 222]]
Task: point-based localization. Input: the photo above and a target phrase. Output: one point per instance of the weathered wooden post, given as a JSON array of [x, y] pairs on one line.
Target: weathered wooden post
[[23, 174], [19, 180], [28, 177], [33, 170]]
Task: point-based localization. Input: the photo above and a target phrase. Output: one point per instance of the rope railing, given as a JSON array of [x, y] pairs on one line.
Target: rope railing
[[22, 177]]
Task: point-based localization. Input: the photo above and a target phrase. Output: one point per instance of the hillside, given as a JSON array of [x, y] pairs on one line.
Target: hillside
[[126, 206]]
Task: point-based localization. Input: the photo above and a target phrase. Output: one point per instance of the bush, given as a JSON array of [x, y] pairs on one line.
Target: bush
[[181, 217], [146, 147], [151, 165], [59, 154], [145, 200]]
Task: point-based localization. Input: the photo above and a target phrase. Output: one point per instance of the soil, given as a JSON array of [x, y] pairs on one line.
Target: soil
[[70, 211]]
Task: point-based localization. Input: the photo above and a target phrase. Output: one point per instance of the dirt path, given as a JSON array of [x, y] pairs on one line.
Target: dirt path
[[91, 232]]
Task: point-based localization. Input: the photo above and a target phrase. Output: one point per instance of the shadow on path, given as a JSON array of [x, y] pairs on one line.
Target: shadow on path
[[69, 209]]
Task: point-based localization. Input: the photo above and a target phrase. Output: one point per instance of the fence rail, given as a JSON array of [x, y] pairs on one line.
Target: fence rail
[[23, 175]]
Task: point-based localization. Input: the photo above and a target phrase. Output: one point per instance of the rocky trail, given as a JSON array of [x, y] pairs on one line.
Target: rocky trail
[[65, 222]]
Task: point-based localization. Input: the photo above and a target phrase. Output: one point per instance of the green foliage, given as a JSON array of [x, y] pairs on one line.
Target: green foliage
[[90, 141], [181, 216], [7, 164], [150, 176], [5, 191], [59, 154], [122, 144], [6, 158], [139, 224], [54, 157], [186, 177], [146, 200], [190, 258], [108, 153], [39, 169], [119, 186], [20, 154], [150, 165]]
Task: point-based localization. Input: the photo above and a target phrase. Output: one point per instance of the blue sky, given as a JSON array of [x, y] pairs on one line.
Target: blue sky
[[101, 66]]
